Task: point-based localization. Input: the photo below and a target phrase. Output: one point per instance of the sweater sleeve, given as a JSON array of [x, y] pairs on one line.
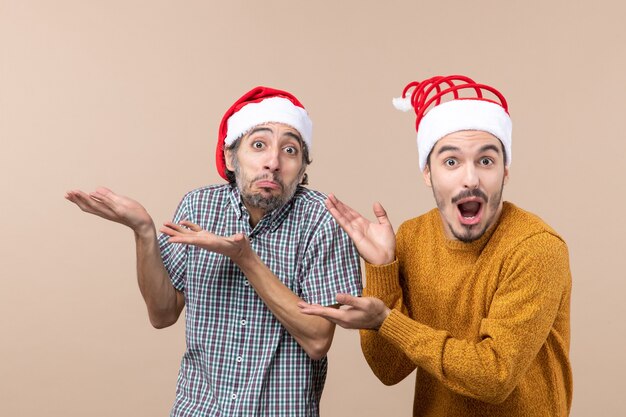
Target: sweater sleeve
[[388, 362], [533, 284]]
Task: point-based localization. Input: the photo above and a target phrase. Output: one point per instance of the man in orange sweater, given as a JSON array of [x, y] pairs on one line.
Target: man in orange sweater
[[473, 295]]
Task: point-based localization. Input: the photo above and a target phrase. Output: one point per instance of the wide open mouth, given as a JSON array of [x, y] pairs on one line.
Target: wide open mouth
[[470, 209]]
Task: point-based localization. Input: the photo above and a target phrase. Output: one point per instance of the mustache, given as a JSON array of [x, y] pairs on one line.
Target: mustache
[[470, 193]]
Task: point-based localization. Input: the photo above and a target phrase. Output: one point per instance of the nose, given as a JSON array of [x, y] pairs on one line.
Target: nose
[[272, 160], [470, 177]]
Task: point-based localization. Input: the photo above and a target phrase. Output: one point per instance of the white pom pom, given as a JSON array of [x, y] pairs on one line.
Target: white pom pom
[[403, 104]]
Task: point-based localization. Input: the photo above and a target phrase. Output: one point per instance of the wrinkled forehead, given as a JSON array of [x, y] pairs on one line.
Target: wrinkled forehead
[[468, 141], [272, 128]]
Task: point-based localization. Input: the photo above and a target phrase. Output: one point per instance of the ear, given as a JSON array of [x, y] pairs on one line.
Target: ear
[[506, 175], [426, 175], [228, 156]]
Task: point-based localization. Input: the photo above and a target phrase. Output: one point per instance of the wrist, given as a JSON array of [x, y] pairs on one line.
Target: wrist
[[383, 316], [145, 231], [247, 261]]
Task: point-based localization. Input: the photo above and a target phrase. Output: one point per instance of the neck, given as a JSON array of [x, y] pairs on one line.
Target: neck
[[256, 214]]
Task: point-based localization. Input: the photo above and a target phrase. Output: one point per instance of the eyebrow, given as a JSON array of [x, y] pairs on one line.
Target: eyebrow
[[446, 148], [484, 148], [267, 129], [490, 147], [294, 136], [259, 129]]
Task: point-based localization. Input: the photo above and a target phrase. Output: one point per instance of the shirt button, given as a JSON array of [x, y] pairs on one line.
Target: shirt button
[[246, 282], [243, 322], [233, 397], [239, 359]]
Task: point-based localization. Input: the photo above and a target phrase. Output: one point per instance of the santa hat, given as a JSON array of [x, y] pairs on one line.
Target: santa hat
[[261, 105], [436, 119]]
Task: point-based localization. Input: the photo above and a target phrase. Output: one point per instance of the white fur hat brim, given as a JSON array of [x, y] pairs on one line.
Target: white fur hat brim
[[273, 109], [463, 114]]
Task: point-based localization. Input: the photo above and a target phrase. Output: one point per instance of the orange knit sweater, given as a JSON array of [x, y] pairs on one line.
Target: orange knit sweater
[[485, 323]]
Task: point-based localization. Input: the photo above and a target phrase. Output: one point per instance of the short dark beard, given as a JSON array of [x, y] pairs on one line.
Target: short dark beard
[[266, 204], [468, 237]]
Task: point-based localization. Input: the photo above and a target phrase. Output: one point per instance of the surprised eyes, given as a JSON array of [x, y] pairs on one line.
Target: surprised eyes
[[290, 150], [453, 162], [485, 161]]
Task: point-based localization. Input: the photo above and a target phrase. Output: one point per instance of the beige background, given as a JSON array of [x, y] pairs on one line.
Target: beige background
[[129, 94]]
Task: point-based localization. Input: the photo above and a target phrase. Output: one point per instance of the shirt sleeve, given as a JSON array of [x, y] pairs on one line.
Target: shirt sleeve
[[174, 255], [331, 265], [517, 325]]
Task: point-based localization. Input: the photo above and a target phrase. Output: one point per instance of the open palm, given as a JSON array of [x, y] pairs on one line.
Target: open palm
[[108, 205], [235, 247], [376, 242]]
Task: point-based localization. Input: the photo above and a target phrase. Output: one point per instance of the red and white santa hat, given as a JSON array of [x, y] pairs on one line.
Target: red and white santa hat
[[437, 118], [261, 105]]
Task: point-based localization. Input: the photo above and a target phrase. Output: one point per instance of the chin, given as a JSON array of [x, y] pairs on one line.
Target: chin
[[468, 234]]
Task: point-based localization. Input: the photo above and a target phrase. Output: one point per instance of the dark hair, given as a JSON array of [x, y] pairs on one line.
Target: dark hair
[[306, 160]]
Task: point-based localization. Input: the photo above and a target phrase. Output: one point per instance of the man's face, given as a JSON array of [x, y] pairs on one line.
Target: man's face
[[467, 174], [268, 165]]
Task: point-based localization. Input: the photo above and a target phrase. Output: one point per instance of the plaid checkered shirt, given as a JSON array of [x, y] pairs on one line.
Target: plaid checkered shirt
[[240, 361]]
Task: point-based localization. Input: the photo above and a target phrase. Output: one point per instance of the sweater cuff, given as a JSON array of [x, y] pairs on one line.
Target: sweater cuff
[[419, 342], [381, 279]]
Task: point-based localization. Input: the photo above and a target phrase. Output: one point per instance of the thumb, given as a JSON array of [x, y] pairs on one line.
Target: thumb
[[347, 299], [381, 214]]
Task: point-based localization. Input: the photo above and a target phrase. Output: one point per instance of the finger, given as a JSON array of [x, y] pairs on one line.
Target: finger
[[169, 230], [340, 213], [341, 208], [89, 205], [304, 304], [191, 226], [74, 196], [318, 310], [180, 228], [381, 214], [350, 214], [239, 238], [105, 196], [349, 300]]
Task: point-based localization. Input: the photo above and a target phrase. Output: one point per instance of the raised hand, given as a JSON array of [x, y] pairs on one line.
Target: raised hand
[[354, 313], [108, 205], [235, 247], [376, 242]]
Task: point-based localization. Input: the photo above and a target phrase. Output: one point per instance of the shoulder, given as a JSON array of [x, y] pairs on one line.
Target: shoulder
[[211, 198], [517, 225], [524, 238], [207, 193], [310, 204], [311, 217]]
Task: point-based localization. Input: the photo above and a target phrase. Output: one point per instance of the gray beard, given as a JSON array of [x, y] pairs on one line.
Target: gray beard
[[266, 204]]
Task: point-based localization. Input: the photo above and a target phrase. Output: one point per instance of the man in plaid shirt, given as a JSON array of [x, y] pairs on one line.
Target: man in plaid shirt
[[241, 256]]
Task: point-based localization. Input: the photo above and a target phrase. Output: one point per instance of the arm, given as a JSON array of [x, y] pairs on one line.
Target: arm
[[517, 325], [313, 334], [520, 318], [390, 364], [376, 244], [368, 313], [164, 303]]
